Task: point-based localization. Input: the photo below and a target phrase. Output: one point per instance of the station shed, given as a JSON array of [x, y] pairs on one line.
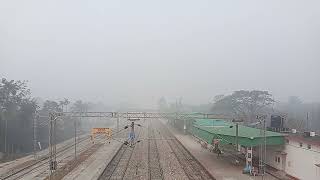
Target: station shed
[[210, 129], [218, 131], [185, 123]]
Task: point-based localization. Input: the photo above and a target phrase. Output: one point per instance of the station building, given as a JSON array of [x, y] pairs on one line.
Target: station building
[[300, 156], [293, 155]]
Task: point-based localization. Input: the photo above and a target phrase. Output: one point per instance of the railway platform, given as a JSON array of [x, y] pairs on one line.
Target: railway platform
[[92, 167], [222, 168]]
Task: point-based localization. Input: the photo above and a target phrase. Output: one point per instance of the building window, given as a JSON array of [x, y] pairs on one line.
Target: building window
[[277, 159], [309, 146], [287, 140], [300, 144]]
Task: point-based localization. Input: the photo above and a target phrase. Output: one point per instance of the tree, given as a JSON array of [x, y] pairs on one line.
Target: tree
[[13, 93], [64, 103], [218, 98], [17, 110], [244, 103], [80, 106]]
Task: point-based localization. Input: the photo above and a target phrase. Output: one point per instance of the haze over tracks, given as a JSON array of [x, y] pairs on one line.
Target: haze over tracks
[[159, 155]]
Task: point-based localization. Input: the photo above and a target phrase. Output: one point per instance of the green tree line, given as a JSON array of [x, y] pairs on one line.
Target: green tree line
[[19, 112]]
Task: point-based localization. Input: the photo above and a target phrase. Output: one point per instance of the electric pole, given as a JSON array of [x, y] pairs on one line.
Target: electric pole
[[265, 147], [75, 138], [52, 144], [118, 119], [35, 123], [263, 144], [5, 135], [5, 129]]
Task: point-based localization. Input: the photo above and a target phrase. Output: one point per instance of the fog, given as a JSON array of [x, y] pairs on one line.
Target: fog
[[138, 51]]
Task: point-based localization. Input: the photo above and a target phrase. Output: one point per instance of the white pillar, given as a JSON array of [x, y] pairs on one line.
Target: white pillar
[[249, 156]]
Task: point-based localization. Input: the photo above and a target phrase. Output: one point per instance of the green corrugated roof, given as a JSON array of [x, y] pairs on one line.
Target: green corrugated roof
[[210, 122], [211, 129], [244, 131], [222, 127]]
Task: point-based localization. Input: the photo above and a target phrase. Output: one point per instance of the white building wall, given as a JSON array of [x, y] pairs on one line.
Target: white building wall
[[294, 160], [275, 158], [273, 152], [300, 161]]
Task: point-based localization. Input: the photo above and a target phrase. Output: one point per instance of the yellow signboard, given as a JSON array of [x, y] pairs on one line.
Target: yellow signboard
[[106, 131]]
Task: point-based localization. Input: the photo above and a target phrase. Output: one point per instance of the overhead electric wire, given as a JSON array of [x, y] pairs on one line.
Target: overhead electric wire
[[41, 160]]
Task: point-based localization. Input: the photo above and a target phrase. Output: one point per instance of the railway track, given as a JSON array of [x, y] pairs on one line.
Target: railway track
[[190, 165], [128, 163], [41, 166], [117, 167], [154, 166]]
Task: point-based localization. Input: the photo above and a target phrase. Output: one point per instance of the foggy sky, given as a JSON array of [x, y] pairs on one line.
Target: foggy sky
[[137, 51]]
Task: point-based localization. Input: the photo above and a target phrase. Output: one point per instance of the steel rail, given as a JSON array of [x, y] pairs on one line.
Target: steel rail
[[113, 165], [43, 160], [154, 166], [190, 165]]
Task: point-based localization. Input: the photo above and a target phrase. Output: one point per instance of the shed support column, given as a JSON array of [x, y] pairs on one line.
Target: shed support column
[[249, 156], [237, 137]]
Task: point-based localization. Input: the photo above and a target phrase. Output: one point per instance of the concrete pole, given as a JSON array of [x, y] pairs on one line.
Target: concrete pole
[[5, 129], [55, 140], [75, 139], [265, 148], [50, 145], [35, 135], [118, 119], [5, 135], [237, 136], [261, 150]]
